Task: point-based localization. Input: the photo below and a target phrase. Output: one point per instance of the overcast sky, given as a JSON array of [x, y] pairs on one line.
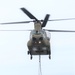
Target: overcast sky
[[13, 44]]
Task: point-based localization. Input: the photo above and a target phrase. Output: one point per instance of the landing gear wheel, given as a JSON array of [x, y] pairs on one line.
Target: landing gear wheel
[[28, 52], [31, 57], [49, 57]]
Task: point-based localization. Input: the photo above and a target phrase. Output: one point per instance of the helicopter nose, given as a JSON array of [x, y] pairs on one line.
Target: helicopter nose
[[37, 40]]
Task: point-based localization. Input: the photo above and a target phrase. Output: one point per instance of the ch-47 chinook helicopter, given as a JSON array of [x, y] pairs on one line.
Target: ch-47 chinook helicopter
[[39, 43]]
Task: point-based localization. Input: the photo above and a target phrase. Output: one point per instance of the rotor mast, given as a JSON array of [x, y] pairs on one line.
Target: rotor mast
[[37, 26]]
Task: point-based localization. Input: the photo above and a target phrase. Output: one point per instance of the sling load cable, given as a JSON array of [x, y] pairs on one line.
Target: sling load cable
[[40, 70]]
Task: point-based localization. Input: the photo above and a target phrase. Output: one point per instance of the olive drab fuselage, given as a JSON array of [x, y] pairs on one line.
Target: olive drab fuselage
[[39, 42]]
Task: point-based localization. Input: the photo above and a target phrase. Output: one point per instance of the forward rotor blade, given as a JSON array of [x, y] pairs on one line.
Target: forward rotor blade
[[62, 19], [17, 22], [59, 30], [29, 14], [45, 20], [15, 30]]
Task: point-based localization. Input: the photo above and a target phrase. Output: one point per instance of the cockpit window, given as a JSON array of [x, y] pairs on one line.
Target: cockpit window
[[42, 32]]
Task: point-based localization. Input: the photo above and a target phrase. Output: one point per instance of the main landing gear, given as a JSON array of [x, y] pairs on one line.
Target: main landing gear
[[32, 57], [49, 57], [30, 54]]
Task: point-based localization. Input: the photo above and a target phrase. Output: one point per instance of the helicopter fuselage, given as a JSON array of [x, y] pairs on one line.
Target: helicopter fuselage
[[39, 43]]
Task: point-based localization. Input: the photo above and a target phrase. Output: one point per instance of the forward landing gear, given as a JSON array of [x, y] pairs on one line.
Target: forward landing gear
[[49, 57], [28, 54], [31, 57], [49, 52]]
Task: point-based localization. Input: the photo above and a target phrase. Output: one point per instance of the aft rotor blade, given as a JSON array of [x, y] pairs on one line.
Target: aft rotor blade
[[45, 20], [59, 30], [17, 22], [62, 19], [29, 14]]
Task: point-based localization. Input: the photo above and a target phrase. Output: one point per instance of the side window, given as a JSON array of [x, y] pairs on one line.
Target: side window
[[44, 34], [48, 34]]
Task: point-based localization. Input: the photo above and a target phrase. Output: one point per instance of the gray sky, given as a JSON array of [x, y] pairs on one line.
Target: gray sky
[[13, 45]]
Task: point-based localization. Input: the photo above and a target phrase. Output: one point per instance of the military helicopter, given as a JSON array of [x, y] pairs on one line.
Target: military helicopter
[[39, 42]]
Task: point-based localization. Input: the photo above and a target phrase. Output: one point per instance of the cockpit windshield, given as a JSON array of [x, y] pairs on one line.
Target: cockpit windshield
[[41, 32]]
